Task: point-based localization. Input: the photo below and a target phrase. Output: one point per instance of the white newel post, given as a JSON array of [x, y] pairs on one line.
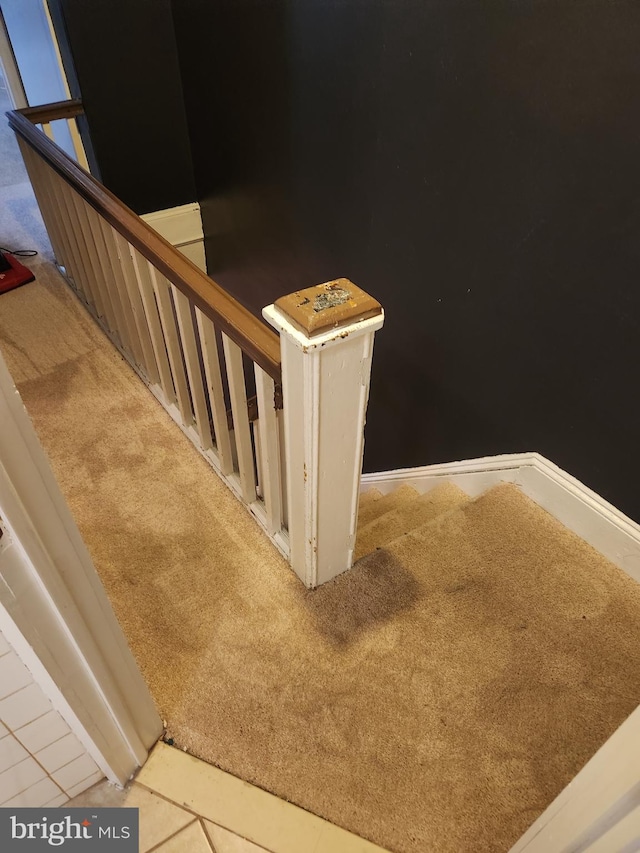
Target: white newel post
[[326, 335]]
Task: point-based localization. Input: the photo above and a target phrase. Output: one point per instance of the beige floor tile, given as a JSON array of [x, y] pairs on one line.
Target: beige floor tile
[[104, 795], [60, 800], [84, 784], [242, 808], [189, 840], [228, 842], [42, 732], [158, 818]]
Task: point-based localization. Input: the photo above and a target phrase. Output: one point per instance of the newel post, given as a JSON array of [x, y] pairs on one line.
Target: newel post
[[326, 336]]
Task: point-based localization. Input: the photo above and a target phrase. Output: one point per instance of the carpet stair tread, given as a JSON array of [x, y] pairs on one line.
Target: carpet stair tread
[[373, 509], [370, 496], [407, 516]]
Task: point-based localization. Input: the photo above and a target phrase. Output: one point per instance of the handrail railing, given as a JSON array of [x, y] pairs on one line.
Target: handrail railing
[[258, 341], [291, 452], [53, 112]]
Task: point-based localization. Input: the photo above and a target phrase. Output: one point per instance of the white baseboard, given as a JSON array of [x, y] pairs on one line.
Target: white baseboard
[[178, 225], [473, 476], [182, 227], [576, 506], [195, 252]]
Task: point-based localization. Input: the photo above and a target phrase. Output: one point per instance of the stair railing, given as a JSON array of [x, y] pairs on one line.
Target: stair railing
[[49, 117], [295, 461]]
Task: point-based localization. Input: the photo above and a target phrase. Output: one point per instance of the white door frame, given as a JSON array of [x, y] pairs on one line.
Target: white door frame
[[10, 69], [599, 810], [59, 606]]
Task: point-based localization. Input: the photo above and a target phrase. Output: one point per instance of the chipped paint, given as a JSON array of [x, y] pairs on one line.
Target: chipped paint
[[333, 296]]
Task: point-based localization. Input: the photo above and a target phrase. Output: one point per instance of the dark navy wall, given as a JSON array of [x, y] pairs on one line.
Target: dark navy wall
[[125, 68], [475, 166]]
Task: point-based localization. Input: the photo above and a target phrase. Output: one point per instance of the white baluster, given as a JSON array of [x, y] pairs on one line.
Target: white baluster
[[269, 450], [172, 342], [241, 428], [211, 359], [192, 362]]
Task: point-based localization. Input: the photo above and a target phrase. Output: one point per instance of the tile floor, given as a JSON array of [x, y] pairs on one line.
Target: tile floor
[[188, 806]]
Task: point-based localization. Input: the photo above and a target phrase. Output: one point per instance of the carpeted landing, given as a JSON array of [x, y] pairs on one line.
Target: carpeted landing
[[436, 698]]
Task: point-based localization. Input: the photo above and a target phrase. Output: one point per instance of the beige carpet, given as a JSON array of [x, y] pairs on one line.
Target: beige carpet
[[437, 698]]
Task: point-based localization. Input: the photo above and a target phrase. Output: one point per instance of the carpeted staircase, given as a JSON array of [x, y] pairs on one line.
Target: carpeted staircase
[[383, 519], [435, 698]]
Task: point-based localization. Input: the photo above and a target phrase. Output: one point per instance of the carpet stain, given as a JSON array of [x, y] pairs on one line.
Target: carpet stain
[[353, 604], [436, 698]]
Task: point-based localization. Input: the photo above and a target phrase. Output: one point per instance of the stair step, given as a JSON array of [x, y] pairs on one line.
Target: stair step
[[369, 497], [408, 515], [375, 508]]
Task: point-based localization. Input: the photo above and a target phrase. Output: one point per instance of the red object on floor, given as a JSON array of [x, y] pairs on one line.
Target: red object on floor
[[15, 276]]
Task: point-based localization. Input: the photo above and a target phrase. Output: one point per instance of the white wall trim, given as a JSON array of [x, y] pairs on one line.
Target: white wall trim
[[12, 551], [575, 505], [182, 227], [179, 225], [472, 475], [10, 68], [591, 815], [57, 602]]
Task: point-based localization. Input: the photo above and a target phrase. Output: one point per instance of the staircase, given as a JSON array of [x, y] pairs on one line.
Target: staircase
[[382, 519], [435, 698]]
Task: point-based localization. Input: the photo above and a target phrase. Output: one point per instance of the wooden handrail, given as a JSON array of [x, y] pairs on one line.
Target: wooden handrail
[[52, 112], [258, 341]]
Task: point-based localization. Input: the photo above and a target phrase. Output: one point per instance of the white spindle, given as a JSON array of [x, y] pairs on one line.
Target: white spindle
[[283, 470], [215, 391], [101, 263], [46, 126], [165, 380], [172, 341], [194, 371], [241, 428], [255, 435], [126, 281], [93, 279], [43, 180], [100, 271], [80, 273], [82, 277], [134, 322], [106, 262], [117, 250], [40, 180], [268, 450], [49, 182]]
